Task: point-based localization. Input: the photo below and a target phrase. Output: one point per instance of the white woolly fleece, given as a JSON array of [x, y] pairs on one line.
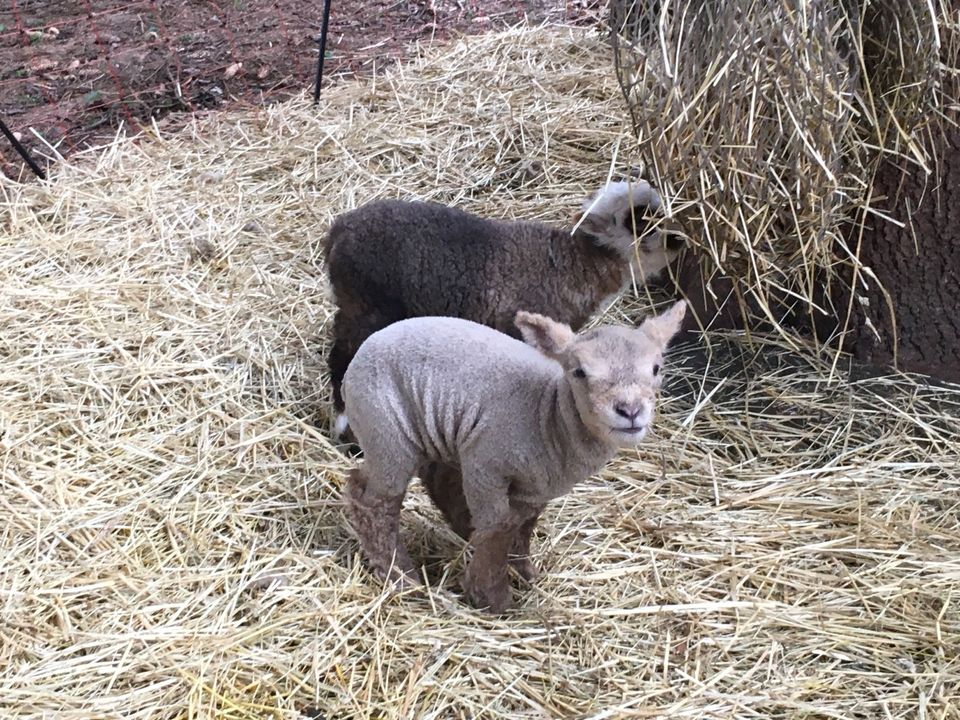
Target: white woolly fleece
[[618, 197]]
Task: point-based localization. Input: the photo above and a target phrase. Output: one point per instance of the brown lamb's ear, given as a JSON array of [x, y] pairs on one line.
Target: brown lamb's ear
[[661, 328], [546, 335], [597, 224]]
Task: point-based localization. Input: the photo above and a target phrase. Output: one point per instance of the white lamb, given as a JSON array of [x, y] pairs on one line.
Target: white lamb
[[523, 424]]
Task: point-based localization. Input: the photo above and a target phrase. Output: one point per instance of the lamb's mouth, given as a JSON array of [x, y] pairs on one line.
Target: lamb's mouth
[[632, 430]]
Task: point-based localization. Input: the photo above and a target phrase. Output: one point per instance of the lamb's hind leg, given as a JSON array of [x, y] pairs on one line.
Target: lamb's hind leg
[[355, 321], [444, 485], [375, 517], [337, 362]]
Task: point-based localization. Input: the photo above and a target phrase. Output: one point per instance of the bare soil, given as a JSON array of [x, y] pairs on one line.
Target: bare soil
[[72, 70]]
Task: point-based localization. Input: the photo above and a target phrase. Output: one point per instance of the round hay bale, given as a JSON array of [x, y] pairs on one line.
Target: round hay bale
[[788, 137]]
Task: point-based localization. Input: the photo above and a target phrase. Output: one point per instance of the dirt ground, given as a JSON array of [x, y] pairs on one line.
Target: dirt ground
[[71, 71]]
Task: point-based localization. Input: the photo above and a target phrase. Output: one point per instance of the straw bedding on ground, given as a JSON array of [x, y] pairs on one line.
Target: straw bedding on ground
[[172, 542]]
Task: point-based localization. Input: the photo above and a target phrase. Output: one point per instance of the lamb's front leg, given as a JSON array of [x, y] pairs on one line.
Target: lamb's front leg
[[520, 553], [486, 582]]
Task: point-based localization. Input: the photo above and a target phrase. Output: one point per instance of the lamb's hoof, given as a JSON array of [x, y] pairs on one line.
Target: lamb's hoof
[[494, 599], [399, 578], [525, 569]]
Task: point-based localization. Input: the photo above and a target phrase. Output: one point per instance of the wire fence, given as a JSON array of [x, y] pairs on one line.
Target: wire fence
[[72, 71]]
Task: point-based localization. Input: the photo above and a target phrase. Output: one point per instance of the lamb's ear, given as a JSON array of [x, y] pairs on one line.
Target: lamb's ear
[[546, 335], [613, 213], [661, 328], [597, 224]]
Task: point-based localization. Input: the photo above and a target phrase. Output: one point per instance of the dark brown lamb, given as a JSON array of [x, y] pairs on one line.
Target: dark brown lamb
[[390, 260]]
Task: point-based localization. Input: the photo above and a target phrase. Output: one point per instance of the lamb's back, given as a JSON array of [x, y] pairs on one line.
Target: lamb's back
[[441, 379], [431, 259], [449, 350]]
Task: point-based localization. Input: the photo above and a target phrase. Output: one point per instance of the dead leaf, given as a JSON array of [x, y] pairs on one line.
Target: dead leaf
[[39, 65], [202, 249], [232, 70]]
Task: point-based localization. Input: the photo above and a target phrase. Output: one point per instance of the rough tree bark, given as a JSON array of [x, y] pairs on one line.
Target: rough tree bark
[[914, 321], [915, 258], [918, 267]]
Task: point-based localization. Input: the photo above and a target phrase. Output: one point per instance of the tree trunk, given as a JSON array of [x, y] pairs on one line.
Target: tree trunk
[[909, 316], [915, 258], [919, 268], [900, 305]]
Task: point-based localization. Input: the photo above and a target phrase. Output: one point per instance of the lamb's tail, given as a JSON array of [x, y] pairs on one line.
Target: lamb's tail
[[330, 239], [340, 426]]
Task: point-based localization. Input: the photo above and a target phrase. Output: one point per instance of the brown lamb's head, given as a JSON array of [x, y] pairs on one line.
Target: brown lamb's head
[[620, 217]]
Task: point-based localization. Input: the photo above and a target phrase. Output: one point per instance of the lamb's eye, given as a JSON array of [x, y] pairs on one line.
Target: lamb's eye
[[579, 373], [656, 370]]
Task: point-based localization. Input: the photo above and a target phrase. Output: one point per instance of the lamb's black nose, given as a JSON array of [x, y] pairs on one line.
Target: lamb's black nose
[[674, 242], [628, 410]]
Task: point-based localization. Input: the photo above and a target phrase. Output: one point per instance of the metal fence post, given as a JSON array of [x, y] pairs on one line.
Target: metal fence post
[[37, 170], [323, 49]]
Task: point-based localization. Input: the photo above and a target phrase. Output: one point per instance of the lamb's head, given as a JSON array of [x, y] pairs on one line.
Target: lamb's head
[[617, 217], [614, 372]]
